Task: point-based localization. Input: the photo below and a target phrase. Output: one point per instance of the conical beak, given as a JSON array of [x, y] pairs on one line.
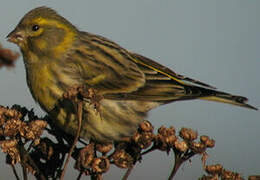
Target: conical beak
[[15, 36]]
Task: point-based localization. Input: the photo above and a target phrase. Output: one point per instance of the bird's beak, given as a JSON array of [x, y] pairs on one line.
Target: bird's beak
[[15, 37]]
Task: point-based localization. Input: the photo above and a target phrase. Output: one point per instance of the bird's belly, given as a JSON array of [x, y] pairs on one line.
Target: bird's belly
[[115, 120]]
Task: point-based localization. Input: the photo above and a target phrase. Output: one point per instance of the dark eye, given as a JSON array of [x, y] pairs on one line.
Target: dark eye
[[35, 27]]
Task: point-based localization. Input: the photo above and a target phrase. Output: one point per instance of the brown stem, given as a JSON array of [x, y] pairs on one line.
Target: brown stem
[[79, 110], [15, 172], [128, 172], [177, 163], [79, 176], [25, 177], [25, 158], [179, 159]]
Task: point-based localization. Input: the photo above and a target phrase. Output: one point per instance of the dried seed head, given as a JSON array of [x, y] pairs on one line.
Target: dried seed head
[[100, 165], [122, 159], [166, 137], [104, 148], [204, 177], [214, 169], [171, 130], [254, 177], [210, 143], [204, 139], [188, 134], [197, 147], [162, 131], [229, 175], [207, 141], [10, 147], [7, 57], [12, 113], [160, 143], [86, 156], [33, 130], [146, 126], [144, 139], [12, 127], [181, 145]]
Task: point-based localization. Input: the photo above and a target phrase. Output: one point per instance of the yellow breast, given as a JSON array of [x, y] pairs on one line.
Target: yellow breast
[[44, 85]]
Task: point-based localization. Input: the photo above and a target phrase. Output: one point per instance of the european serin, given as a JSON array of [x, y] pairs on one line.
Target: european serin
[[58, 56]]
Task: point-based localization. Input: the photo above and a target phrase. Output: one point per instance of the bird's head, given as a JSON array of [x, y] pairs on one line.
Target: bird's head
[[44, 32]]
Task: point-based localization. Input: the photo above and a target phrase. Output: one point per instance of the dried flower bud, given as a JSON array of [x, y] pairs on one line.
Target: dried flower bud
[[100, 165], [144, 139], [171, 130], [12, 113], [122, 159], [210, 143], [7, 57], [162, 131], [198, 147], [166, 137], [207, 141], [86, 156], [181, 145], [104, 148], [12, 127], [254, 177], [188, 134], [34, 130], [229, 175], [214, 169], [160, 143], [10, 147], [204, 139], [170, 140], [146, 126]]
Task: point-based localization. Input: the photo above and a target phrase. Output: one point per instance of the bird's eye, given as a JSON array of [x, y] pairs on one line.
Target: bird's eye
[[35, 27]]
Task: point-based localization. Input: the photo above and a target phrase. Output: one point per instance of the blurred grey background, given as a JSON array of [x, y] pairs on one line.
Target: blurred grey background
[[215, 41]]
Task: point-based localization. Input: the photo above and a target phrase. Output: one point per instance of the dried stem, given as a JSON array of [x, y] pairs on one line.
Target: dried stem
[[128, 172], [25, 177], [15, 172], [79, 110], [80, 175], [179, 159]]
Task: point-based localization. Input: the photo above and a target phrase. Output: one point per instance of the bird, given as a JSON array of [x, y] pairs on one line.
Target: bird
[[57, 56]]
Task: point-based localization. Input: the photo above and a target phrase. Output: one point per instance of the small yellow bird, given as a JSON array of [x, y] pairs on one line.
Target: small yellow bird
[[58, 56]]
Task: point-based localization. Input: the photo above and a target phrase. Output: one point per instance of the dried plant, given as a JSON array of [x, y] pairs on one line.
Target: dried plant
[[7, 57], [44, 155]]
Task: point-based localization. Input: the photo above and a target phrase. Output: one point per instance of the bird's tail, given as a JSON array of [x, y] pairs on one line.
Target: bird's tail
[[218, 96]]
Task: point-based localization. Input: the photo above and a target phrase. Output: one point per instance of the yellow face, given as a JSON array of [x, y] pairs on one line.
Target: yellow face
[[43, 32]]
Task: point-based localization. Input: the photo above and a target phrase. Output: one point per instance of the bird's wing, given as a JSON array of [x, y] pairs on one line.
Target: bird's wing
[[161, 83], [106, 66], [164, 86]]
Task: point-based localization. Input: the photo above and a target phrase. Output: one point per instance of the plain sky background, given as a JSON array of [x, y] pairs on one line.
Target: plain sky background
[[215, 41]]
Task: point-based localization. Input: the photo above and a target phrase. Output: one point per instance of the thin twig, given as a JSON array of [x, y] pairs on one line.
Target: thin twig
[[25, 177], [79, 110], [178, 162], [79, 176], [128, 172], [26, 157], [15, 172]]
